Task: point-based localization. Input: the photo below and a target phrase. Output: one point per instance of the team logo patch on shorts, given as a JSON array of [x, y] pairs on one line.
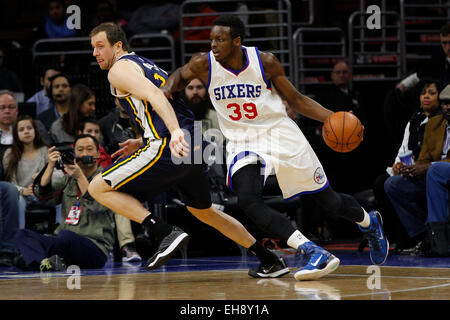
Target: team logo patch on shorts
[[319, 176]]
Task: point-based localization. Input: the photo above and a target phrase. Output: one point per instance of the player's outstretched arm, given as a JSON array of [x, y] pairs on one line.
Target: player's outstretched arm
[[126, 77], [197, 67], [306, 106]]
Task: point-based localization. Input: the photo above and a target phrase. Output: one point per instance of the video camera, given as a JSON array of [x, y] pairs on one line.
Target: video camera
[[68, 156]]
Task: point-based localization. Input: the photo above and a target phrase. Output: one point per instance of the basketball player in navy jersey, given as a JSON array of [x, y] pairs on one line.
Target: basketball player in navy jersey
[[246, 88], [145, 167]]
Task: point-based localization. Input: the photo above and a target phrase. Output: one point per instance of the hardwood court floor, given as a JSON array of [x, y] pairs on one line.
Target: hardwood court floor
[[225, 278]]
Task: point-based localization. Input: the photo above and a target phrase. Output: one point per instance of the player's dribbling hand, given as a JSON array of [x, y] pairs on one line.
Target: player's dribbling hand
[[178, 145], [128, 147]]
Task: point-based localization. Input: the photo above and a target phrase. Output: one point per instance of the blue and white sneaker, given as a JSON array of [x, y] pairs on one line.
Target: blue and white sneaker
[[320, 262], [378, 243]]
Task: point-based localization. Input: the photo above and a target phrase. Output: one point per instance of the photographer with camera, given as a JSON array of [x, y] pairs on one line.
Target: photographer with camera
[[86, 236]]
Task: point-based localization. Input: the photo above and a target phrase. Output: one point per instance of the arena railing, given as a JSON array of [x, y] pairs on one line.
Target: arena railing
[[375, 54], [421, 23], [74, 56], [316, 50], [270, 29]]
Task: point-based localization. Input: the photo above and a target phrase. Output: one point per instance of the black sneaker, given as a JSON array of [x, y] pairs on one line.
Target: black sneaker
[[54, 263], [168, 246], [129, 253], [278, 269]]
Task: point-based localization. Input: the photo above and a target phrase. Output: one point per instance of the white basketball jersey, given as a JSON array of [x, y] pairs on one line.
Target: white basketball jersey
[[253, 118], [246, 103]]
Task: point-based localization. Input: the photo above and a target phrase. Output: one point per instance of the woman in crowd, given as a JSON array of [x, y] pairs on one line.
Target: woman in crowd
[[82, 107], [23, 160]]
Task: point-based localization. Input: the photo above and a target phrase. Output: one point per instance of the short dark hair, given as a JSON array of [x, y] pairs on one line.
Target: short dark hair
[[88, 120], [237, 28], [52, 78], [85, 135], [114, 34], [445, 30]]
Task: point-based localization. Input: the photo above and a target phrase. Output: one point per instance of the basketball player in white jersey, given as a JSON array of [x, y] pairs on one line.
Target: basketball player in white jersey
[[246, 89]]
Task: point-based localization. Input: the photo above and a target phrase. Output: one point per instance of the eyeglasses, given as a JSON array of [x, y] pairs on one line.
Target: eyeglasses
[[10, 108], [445, 43]]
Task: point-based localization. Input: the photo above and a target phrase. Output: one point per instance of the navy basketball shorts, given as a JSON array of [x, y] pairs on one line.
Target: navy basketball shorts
[[150, 171]]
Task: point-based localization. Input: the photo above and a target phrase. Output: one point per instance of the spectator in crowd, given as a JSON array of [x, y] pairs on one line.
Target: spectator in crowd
[[81, 107], [9, 222], [59, 94], [154, 17], [116, 128], [401, 103], [9, 194], [9, 80], [340, 97], [438, 190], [125, 234], [438, 67], [407, 191], [41, 97], [56, 23], [198, 101], [107, 12], [86, 237], [92, 127], [8, 114], [23, 160], [412, 141]]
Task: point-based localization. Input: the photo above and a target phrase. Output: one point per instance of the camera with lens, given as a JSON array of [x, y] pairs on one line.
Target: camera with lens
[[67, 156]]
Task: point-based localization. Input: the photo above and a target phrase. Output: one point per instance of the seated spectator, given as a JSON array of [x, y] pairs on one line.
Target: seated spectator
[[91, 126], [9, 80], [116, 128], [155, 17], [198, 101], [86, 237], [56, 23], [125, 234], [9, 222], [407, 191], [81, 107], [401, 103], [412, 141], [8, 114], [438, 67], [340, 97], [23, 160], [59, 94], [107, 12], [438, 189], [41, 97]]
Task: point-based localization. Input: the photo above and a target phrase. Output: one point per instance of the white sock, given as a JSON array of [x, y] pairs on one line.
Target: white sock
[[366, 221], [296, 239]]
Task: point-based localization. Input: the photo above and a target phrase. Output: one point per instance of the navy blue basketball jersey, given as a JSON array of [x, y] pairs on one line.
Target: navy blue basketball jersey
[[146, 120]]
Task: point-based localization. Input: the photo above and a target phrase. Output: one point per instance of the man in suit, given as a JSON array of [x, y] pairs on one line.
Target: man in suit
[[408, 191]]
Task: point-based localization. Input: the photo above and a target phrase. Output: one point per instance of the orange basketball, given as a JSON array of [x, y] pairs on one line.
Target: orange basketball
[[342, 131]]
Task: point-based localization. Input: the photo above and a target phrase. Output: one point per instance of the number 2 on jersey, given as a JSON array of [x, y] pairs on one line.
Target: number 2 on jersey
[[249, 110]]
